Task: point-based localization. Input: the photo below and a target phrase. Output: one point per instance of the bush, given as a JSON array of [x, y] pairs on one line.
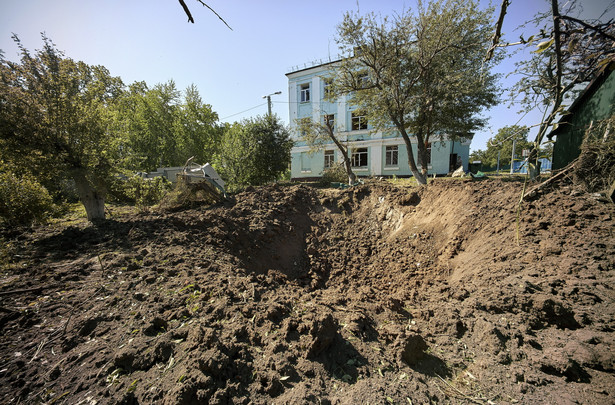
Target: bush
[[139, 191], [23, 200], [335, 173]]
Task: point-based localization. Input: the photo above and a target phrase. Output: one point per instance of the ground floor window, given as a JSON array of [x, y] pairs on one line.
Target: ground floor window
[[359, 157], [391, 156], [329, 158]]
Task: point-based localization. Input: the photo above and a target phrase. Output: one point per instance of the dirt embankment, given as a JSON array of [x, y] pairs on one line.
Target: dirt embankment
[[375, 294]]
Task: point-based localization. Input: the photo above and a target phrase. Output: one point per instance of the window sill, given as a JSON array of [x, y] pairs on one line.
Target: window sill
[[360, 169], [306, 171], [391, 168]]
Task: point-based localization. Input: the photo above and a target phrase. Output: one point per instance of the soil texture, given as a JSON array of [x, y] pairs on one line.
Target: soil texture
[[378, 294]]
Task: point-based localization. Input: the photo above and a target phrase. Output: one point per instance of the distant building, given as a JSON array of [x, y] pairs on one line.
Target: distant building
[[373, 153], [595, 103]]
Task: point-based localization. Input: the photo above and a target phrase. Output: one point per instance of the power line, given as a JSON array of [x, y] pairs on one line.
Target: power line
[[244, 111]]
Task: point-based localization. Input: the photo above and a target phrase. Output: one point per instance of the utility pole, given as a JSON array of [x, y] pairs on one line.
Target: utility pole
[[512, 157], [268, 97]]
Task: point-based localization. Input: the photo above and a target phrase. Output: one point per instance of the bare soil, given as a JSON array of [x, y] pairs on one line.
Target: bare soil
[[289, 294]]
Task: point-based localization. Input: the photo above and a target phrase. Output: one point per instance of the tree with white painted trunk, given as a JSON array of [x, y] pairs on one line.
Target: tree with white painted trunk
[[56, 116]]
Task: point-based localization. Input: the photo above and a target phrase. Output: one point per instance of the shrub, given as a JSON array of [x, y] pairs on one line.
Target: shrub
[[335, 173], [23, 200], [139, 191]]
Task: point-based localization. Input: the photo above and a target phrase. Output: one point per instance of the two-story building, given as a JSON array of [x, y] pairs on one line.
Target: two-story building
[[373, 153]]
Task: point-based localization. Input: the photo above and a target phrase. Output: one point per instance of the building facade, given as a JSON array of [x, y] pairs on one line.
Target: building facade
[[373, 153]]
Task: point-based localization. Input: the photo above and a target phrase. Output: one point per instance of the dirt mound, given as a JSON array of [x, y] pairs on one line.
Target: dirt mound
[[375, 294]]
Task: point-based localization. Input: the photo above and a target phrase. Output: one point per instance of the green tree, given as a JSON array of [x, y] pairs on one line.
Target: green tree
[[254, 152], [318, 134], [159, 127], [56, 116], [502, 143], [422, 74], [567, 54]]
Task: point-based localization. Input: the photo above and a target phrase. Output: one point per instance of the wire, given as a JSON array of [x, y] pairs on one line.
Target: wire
[[241, 112]]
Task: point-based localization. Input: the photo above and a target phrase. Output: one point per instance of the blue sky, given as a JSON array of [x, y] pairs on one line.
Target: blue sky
[[151, 40]]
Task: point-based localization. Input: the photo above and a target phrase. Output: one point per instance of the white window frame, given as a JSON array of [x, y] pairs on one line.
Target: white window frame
[[361, 121], [326, 88], [329, 158], [305, 94], [391, 157], [357, 155], [331, 118]]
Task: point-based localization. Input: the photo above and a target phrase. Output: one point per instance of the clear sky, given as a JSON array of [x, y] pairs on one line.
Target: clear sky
[[151, 40]]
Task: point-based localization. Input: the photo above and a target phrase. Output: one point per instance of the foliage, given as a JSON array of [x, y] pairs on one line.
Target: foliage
[[502, 142], [140, 191], [595, 168], [158, 127], [334, 174], [424, 74], [254, 151], [567, 54], [318, 134], [23, 200], [55, 120]]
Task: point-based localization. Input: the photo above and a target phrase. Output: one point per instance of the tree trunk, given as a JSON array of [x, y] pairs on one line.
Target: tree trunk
[[352, 178], [420, 178], [91, 198]]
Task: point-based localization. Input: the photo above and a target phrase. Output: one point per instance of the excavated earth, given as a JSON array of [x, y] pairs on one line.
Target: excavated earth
[[378, 294]]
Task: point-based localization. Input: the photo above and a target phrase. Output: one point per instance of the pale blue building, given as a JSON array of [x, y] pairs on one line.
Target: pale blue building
[[373, 153]]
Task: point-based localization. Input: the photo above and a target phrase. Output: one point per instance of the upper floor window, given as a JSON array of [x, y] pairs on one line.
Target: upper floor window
[[305, 92], [363, 80], [391, 156], [328, 87], [329, 120], [358, 121]]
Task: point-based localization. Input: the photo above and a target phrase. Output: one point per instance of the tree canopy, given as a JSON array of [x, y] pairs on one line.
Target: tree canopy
[[502, 144], [567, 54], [63, 119], [55, 119], [422, 74], [254, 151]]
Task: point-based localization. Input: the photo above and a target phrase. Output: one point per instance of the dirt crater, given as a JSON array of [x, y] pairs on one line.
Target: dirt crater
[[373, 294]]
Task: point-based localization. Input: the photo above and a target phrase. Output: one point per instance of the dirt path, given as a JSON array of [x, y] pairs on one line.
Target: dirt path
[[370, 295]]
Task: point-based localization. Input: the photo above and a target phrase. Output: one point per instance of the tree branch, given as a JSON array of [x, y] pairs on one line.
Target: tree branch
[[498, 31], [589, 26]]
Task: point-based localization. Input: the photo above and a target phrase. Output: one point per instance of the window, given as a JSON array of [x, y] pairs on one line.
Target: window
[[328, 87], [359, 121], [359, 157], [428, 146], [363, 80], [305, 92], [391, 155], [305, 162], [329, 158], [329, 120]]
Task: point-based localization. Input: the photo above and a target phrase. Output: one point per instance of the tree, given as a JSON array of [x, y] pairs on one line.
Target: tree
[[160, 128], [424, 75], [56, 115], [502, 144], [316, 135], [568, 52], [254, 151]]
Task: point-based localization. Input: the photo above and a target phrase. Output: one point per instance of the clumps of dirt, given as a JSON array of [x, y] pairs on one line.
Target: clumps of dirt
[[375, 294]]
